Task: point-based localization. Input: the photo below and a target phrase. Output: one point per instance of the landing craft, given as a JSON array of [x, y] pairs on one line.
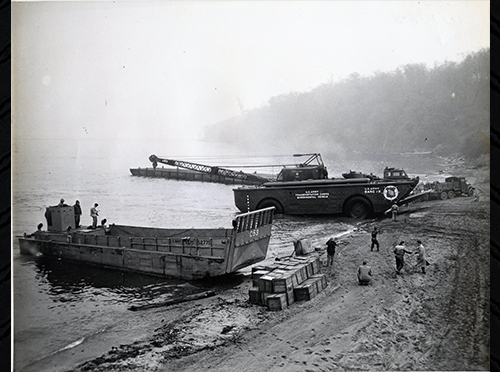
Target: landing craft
[[190, 253], [305, 189]]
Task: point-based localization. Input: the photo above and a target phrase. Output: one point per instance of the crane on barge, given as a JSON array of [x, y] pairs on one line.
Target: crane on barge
[[208, 169]]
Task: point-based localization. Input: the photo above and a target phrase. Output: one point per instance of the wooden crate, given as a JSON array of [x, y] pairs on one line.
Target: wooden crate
[[296, 278], [265, 283], [283, 283], [290, 297], [316, 266], [263, 297], [278, 271], [255, 297], [303, 272], [309, 269], [263, 267], [277, 301], [256, 275], [305, 291], [321, 280]]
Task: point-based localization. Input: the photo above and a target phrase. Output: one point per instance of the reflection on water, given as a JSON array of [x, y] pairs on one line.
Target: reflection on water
[[69, 281], [73, 282]]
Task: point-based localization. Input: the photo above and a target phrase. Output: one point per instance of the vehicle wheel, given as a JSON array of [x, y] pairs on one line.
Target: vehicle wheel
[[444, 195], [266, 203], [451, 194], [470, 192], [358, 208]]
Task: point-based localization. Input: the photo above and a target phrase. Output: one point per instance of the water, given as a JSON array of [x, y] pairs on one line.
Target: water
[[59, 306]]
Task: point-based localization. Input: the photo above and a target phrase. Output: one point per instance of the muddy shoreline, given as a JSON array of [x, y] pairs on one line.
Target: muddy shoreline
[[413, 321]]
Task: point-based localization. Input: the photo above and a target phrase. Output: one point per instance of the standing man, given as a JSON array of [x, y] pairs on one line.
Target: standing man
[[399, 252], [374, 239], [330, 250], [421, 260], [394, 210], [78, 212], [364, 274], [94, 213]]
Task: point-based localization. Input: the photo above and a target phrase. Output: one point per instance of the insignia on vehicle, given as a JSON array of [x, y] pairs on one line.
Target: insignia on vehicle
[[391, 192]]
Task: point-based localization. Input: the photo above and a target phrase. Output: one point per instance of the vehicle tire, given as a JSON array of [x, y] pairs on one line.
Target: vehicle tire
[[443, 195], [358, 207], [470, 192], [271, 203], [451, 194]]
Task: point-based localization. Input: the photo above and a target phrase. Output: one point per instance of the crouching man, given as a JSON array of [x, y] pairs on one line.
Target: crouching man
[[364, 274]]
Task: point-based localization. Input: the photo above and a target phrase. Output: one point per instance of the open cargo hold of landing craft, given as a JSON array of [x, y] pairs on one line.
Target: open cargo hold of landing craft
[[190, 254]]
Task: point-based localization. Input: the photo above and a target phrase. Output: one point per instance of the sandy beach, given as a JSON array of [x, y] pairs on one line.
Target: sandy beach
[[410, 321]]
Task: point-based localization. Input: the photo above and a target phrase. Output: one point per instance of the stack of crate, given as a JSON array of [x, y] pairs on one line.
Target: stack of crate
[[280, 284]]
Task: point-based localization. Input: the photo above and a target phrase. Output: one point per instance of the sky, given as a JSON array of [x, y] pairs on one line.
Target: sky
[[139, 70]]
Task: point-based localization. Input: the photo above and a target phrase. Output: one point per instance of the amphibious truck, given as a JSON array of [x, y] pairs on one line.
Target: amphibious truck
[[305, 189]]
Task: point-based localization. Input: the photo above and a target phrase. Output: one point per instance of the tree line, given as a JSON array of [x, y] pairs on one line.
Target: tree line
[[443, 110]]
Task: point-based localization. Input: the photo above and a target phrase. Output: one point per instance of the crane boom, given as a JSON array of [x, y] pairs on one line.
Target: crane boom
[[208, 169]]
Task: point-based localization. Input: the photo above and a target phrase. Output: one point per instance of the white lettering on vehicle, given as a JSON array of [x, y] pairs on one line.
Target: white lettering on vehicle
[[313, 194], [372, 190]]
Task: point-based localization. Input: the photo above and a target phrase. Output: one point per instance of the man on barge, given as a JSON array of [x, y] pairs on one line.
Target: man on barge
[[94, 213]]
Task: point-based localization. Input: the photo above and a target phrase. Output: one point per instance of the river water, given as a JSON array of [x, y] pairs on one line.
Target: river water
[[58, 305]]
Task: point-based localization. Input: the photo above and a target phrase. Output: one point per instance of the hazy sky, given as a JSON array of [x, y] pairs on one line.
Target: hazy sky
[[144, 70]]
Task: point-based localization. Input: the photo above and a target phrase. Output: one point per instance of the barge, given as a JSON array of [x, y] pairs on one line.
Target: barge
[[197, 172], [190, 254], [190, 175]]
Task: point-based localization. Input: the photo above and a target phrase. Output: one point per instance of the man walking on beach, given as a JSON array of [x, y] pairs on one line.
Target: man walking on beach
[[421, 260], [374, 239], [394, 210], [399, 252], [330, 251]]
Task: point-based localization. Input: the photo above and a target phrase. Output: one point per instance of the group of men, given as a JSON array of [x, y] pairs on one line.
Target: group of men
[[365, 272], [94, 212], [400, 250]]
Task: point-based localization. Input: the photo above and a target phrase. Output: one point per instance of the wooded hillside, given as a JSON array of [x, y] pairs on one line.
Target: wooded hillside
[[444, 110]]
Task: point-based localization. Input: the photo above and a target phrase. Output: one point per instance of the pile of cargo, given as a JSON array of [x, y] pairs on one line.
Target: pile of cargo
[[291, 279]]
